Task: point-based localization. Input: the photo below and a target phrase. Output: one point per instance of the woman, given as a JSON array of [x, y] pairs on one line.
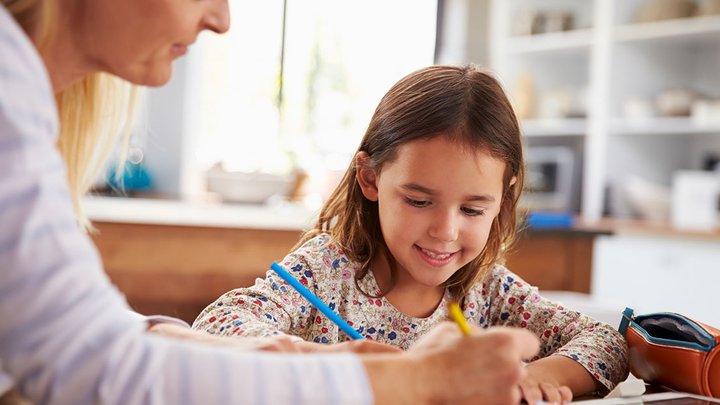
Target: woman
[[66, 334]]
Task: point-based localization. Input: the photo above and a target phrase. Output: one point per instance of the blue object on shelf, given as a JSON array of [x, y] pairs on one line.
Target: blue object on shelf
[[135, 177], [550, 220]]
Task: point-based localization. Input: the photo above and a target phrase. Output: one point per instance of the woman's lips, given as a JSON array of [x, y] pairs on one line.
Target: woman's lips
[[179, 49]]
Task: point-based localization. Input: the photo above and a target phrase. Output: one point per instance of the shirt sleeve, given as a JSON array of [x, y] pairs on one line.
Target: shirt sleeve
[[270, 307], [597, 346], [67, 336]]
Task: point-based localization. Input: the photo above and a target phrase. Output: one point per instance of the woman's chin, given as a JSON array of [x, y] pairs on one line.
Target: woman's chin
[[153, 77], [157, 79]]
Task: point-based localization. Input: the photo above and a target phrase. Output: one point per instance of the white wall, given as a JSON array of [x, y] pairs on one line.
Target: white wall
[[465, 32]]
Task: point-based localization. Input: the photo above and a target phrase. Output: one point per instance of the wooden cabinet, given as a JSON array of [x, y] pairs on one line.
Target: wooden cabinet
[[554, 260], [178, 270]]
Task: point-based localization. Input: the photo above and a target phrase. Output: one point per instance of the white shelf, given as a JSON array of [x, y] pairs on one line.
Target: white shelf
[[554, 127], [696, 29], [664, 126], [613, 63], [576, 40]]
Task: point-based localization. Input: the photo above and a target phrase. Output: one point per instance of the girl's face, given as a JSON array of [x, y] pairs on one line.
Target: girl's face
[[437, 201], [139, 39]]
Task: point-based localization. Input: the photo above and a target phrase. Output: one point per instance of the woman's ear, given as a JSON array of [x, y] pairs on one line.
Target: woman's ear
[[366, 176], [513, 180]]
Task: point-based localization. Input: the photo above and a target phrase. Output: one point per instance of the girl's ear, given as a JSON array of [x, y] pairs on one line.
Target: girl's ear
[[366, 176], [513, 180]]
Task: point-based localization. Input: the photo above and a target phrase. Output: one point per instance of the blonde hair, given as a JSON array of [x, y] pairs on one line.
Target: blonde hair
[[463, 103], [94, 112]]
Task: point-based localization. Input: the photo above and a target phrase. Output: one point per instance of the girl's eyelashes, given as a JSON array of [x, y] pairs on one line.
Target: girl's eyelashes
[[471, 212], [417, 203]]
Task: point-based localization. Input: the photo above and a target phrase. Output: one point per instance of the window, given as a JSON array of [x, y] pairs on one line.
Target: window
[[264, 101]]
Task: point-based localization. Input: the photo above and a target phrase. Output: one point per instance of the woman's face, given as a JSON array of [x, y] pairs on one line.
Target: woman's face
[[138, 40]]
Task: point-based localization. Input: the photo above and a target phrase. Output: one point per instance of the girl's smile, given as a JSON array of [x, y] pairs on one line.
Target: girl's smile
[[434, 258]]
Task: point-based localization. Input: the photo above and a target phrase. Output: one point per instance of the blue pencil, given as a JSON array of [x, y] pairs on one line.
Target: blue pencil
[[316, 301]]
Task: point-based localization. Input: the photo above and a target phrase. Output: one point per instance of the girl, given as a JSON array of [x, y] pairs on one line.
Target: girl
[[422, 216]]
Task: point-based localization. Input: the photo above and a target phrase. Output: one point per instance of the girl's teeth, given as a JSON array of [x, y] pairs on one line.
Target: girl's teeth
[[435, 255]]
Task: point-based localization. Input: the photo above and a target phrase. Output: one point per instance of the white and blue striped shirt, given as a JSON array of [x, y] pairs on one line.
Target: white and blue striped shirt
[[67, 335]]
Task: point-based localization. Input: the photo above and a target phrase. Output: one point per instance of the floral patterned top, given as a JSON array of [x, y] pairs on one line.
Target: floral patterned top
[[272, 307]]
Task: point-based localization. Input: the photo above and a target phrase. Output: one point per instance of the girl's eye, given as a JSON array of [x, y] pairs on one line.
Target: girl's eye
[[472, 212], [417, 203]]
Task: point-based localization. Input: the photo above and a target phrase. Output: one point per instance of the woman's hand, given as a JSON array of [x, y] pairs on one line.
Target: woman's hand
[[353, 346], [446, 366], [272, 344]]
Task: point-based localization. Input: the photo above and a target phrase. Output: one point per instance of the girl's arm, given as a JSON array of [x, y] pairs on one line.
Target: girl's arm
[[270, 307], [595, 347]]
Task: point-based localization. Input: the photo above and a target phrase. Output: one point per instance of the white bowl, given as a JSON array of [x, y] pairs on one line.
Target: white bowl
[[246, 187], [649, 200]]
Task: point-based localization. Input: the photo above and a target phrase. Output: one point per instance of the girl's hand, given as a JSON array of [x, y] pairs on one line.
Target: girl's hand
[[534, 388], [555, 379]]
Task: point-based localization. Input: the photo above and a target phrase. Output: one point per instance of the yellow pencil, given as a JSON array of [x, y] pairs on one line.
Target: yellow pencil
[[457, 316]]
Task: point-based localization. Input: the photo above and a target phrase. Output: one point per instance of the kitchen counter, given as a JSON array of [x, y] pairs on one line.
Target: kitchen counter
[[192, 252], [281, 216]]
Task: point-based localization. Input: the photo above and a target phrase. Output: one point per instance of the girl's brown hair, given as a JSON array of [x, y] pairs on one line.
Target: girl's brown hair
[[463, 103]]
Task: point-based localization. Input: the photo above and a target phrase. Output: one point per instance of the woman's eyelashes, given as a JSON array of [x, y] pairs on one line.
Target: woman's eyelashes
[[471, 212]]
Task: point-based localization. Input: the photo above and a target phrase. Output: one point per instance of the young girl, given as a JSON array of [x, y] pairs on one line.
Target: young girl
[[423, 216]]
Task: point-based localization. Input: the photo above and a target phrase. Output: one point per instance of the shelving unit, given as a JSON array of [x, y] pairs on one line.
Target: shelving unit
[[606, 62], [554, 127], [664, 126], [577, 40], [685, 30]]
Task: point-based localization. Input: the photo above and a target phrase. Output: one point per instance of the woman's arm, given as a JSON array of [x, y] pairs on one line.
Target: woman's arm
[[67, 336]]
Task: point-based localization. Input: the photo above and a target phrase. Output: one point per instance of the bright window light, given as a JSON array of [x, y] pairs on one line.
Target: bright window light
[[310, 111]]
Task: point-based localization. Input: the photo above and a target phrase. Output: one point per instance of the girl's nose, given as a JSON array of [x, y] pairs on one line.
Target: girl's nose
[[217, 19], [444, 227]]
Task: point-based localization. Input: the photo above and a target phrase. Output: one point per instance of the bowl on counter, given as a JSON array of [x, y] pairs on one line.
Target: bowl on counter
[[248, 187]]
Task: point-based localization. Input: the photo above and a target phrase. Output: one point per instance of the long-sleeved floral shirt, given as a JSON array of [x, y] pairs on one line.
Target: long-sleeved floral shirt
[[272, 307]]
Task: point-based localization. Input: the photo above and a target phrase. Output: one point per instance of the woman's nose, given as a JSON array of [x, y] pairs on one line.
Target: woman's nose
[[217, 18], [444, 227]]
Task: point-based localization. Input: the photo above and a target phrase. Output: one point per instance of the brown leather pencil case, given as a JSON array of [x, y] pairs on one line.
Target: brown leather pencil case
[[673, 350]]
